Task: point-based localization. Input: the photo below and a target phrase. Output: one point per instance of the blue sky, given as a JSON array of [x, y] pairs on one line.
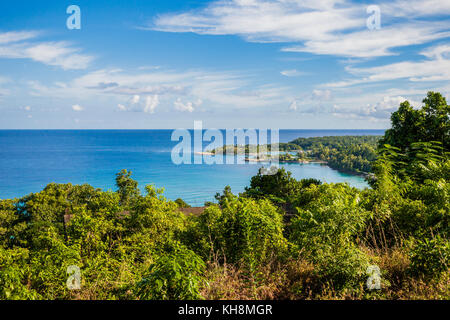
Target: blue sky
[[236, 63]]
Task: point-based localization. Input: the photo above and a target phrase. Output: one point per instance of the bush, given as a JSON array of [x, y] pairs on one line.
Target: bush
[[430, 257], [157, 217], [279, 187], [181, 203], [324, 231], [49, 264], [242, 231], [425, 209], [14, 275], [11, 224], [174, 276]]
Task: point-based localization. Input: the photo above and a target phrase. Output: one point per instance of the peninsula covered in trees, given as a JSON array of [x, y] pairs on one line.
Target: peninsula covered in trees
[[279, 239], [352, 154]]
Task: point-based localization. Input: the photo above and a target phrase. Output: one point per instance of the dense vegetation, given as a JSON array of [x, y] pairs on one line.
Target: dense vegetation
[[280, 239], [354, 154]]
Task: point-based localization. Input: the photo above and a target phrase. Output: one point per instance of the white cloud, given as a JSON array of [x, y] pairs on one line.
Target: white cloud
[[439, 52], [321, 94], [367, 43], [135, 99], [151, 102], [24, 45], [27, 108], [313, 102], [378, 110], [16, 36], [334, 27], [416, 8], [180, 106], [136, 104], [149, 68], [373, 106], [436, 68], [291, 73], [293, 105], [282, 20], [58, 54], [198, 102], [214, 89], [353, 104], [77, 108]]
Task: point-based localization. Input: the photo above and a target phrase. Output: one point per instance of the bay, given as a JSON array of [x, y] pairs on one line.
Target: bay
[[31, 159]]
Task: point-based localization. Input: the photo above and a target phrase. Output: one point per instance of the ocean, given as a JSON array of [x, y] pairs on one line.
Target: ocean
[[31, 159]]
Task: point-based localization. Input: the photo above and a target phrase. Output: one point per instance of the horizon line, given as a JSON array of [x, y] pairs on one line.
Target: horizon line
[[109, 129]]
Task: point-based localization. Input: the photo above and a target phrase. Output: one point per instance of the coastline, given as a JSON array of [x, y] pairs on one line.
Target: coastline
[[149, 158], [302, 161], [205, 153]]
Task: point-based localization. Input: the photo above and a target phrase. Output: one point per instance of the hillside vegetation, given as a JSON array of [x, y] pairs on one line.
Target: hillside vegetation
[[354, 154], [280, 239], [351, 154]]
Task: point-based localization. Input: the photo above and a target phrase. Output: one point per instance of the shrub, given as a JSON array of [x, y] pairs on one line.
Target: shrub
[[49, 264], [280, 187], [430, 257], [11, 224], [157, 217], [181, 203], [174, 276], [242, 231], [324, 231], [14, 275]]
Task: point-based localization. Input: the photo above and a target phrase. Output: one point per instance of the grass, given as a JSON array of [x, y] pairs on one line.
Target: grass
[[295, 279]]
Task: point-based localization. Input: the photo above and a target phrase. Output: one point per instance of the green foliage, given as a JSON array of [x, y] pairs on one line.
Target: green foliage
[[413, 170], [128, 188], [430, 257], [430, 123], [353, 154], [346, 153], [424, 209], [12, 225], [242, 231], [111, 236], [279, 187], [414, 189], [130, 245], [287, 157], [14, 275], [49, 264], [156, 217], [324, 230], [181, 204], [176, 275], [225, 196]]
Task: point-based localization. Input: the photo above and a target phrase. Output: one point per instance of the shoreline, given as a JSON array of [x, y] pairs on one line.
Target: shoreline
[[205, 153], [302, 161]]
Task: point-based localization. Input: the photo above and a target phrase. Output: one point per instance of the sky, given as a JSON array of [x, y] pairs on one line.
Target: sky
[[286, 64]]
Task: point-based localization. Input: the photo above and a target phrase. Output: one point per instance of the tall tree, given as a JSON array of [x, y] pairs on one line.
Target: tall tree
[[127, 187], [429, 123]]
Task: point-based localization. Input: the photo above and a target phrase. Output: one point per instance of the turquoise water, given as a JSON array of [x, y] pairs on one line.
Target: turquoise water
[[30, 159]]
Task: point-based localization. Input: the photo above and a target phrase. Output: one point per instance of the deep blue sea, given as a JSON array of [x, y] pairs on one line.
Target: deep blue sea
[[30, 159]]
